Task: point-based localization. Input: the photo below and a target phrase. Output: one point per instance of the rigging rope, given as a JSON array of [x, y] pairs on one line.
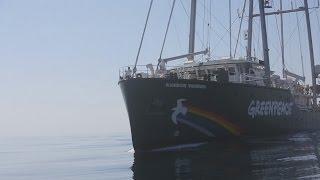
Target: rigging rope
[[208, 31], [300, 46], [209, 27], [204, 24], [279, 36], [221, 37], [290, 38], [142, 38], [258, 44], [168, 25], [278, 30], [318, 17], [242, 16]]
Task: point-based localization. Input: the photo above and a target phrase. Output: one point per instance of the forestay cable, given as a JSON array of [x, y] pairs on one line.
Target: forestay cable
[[142, 38], [168, 25]]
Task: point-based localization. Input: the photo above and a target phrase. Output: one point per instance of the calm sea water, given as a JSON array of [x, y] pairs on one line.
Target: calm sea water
[[109, 157]]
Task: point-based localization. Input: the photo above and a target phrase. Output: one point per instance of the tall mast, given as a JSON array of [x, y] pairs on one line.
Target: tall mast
[[249, 48], [230, 30], [192, 30], [314, 83], [265, 42], [282, 42]]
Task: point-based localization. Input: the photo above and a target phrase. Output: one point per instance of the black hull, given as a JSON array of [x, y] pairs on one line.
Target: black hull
[[166, 112]]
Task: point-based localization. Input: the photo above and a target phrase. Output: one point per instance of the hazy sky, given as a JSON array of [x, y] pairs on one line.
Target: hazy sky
[[60, 58]]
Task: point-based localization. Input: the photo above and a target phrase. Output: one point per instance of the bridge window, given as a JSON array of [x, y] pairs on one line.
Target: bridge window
[[232, 71]]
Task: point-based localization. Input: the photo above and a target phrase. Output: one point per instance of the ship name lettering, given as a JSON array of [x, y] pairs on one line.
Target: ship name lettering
[[197, 86], [176, 85], [269, 108], [191, 86]]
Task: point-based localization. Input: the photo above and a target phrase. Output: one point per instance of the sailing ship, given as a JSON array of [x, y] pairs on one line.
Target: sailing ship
[[227, 98]]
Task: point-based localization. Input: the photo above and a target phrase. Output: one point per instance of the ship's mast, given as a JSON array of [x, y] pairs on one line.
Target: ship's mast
[[265, 43], [282, 42], [230, 30], [249, 48], [192, 30], [314, 82], [190, 56]]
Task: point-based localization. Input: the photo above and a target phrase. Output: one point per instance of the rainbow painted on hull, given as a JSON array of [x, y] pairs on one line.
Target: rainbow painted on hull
[[218, 119], [206, 122]]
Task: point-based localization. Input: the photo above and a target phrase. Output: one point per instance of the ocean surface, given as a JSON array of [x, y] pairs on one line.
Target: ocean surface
[[111, 157]]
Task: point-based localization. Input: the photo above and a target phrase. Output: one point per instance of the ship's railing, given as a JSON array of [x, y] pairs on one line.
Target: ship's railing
[[146, 71], [126, 72], [152, 71], [182, 72]]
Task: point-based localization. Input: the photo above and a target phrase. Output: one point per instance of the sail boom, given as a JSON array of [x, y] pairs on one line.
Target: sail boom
[[281, 12]]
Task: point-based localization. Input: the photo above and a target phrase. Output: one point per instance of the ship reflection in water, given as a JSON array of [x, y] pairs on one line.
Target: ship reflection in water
[[291, 157]]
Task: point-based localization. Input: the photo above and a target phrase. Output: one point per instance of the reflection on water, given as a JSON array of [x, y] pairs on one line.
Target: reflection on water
[[107, 157], [290, 157]]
